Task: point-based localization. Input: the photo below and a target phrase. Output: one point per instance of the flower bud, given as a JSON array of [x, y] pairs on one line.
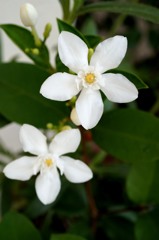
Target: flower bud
[[47, 30], [28, 15], [74, 117]]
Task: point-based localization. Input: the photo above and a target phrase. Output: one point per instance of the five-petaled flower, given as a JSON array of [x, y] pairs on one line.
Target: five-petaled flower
[[48, 160], [90, 77]]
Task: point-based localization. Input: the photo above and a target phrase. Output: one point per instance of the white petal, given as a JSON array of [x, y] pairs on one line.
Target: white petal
[[76, 171], [73, 51], [89, 107], [21, 169], [47, 186], [60, 87], [66, 141], [109, 53], [118, 88], [33, 140]]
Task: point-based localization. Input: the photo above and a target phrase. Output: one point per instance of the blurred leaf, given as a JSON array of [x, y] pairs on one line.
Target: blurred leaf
[[113, 226], [24, 40], [67, 204], [128, 134], [63, 26], [143, 182], [65, 7], [20, 100], [15, 226], [66, 237], [134, 9], [89, 27], [132, 77], [147, 226]]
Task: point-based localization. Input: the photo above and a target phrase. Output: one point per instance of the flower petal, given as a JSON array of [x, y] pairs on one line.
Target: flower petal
[[89, 107], [73, 51], [60, 87], [118, 88], [76, 171], [47, 186], [109, 53], [66, 141], [21, 169], [33, 140]]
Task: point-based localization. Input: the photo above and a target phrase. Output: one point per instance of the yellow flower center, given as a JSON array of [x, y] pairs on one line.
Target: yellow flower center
[[90, 78], [49, 162]]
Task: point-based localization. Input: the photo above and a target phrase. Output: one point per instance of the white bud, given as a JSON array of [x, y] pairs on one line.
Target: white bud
[[74, 117], [28, 14]]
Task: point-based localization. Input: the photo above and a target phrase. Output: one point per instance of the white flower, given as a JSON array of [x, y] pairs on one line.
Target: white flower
[[28, 15], [48, 159], [89, 78]]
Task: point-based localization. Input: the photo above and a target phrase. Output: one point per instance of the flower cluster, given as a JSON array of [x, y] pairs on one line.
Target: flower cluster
[[89, 76]]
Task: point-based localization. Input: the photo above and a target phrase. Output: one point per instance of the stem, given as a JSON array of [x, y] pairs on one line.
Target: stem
[[36, 37], [91, 201]]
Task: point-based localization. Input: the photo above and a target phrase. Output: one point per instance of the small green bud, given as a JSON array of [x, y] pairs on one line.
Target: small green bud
[[35, 51], [47, 30], [50, 126], [90, 53]]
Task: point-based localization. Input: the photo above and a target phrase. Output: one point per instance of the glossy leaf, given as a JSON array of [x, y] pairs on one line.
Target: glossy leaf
[[15, 226], [147, 226], [132, 77], [133, 9], [143, 182], [66, 237], [20, 100], [128, 134], [25, 41], [63, 26]]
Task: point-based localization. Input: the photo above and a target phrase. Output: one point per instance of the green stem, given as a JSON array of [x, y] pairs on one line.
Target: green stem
[[36, 37]]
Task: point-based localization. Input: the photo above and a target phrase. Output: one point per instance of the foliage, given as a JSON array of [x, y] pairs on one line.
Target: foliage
[[121, 202]]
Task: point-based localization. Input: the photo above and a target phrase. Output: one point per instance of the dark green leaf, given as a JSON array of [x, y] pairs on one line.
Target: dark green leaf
[[66, 237], [143, 182], [24, 40], [147, 226], [134, 9], [129, 135], [93, 40], [20, 100], [132, 77], [15, 226], [63, 26], [1, 48]]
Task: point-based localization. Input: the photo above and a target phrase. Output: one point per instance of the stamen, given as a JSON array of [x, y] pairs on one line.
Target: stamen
[[49, 162], [90, 78]]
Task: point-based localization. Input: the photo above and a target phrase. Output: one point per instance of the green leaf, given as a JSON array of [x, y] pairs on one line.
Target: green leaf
[[93, 40], [15, 226], [134, 9], [20, 100], [24, 40], [65, 7], [66, 237], [128, 134], [132, 77], [147, 226], [63, 26], [143, 182]]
